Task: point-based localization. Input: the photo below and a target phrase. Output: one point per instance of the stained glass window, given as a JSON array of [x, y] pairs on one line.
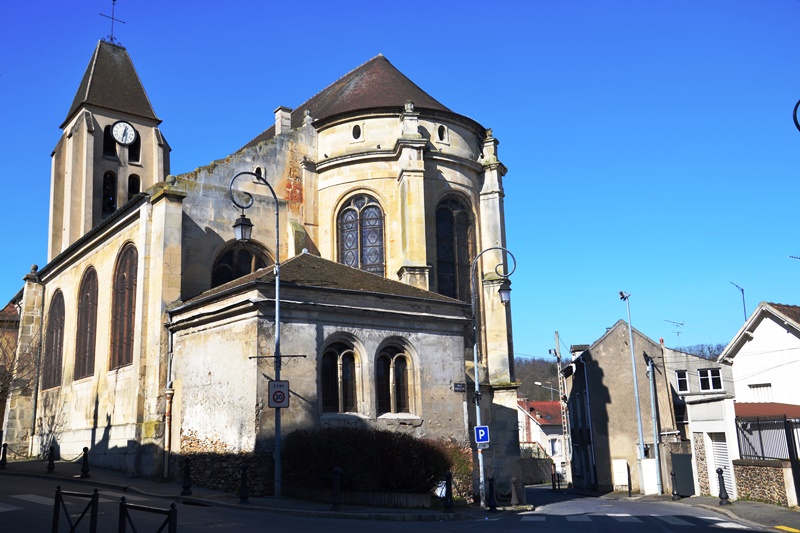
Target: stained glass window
[[338, 379], [123, 307], [87, 325], [54, 343], [453, 249], [361, 234], [236, 262], [392, 381]]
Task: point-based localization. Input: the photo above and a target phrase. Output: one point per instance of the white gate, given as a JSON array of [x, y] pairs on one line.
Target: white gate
[[719, 450]]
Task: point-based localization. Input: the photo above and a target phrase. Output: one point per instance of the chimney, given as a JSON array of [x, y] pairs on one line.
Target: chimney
[[283, 120]]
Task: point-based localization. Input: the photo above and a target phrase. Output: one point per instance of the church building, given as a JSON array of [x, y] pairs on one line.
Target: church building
[[156, 327]]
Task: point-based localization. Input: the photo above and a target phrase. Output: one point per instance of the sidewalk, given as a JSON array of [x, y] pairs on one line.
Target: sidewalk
[[119, 482]]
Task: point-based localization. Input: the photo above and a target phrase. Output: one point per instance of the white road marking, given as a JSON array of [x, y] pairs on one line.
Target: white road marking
[[675, 521], [534, 518], [624, 517], [578, 518], [33, 498], [128, 497], [4, 508]]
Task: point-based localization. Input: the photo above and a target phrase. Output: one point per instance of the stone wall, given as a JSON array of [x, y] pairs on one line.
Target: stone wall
[[536, 470], [700, 460], [761, 481]]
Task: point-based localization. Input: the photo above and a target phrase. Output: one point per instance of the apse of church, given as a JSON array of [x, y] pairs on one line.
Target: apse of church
[[159, 326]]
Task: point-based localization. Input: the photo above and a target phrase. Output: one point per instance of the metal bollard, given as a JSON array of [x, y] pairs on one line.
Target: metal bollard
[[723, 493], [3, 459], [337, 490], [675, 495], [492, 497], [85, 467], [244, 493], [51, 459], [448, 492], [187, 480]]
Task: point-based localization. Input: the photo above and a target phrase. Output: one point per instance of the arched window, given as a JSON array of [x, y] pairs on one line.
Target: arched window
[[109, 199], [453, 249], [361, 234], [87, 325], [123, 307], [236, 262], [54, 343], [109, 144], [338, 379], [135, 149], [392, 381], [134, 186]]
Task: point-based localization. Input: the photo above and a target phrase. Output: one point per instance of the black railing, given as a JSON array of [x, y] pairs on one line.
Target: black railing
[[766, 438], [125, 519], [60, 505]]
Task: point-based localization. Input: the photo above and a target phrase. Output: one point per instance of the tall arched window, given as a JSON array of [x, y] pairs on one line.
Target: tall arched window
[[109, 144], [361, 234], [338, 379], [134, 186], [392, 381], [123, 307], [87, 325], [109, 198], [135, 149], [236, 262], [453, 249], [54, 343]]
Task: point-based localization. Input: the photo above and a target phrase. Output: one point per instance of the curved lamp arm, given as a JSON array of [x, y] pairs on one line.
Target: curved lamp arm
[[795, 117]]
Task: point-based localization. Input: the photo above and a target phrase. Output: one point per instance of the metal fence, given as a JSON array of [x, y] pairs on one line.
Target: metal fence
[[768, 438]]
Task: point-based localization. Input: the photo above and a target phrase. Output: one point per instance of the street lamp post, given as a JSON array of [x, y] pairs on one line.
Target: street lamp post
[[625, 296], [505, 296], [243, 229], [551, 389]]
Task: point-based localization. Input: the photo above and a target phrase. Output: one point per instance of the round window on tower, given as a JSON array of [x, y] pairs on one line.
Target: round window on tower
[[356, 132]]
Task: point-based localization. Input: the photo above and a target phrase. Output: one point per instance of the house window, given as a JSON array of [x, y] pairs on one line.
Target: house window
[[760, 392], [682, 380], [109, 199], [392, 381], [361, 234], [338, 379], [54, 343], [87, 325], [453, 239], [123, 307], [710, 379], [236, 262]]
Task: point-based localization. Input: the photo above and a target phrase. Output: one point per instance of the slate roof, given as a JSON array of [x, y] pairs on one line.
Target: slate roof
[[771, 409], [376, 84], [111, 82], [307, 270]]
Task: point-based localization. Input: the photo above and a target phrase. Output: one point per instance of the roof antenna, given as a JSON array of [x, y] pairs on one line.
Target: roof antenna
[[111, 38], [677, 325]]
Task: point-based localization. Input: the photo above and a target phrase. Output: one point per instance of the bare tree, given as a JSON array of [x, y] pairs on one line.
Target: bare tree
[[529, 371], [706, 351]]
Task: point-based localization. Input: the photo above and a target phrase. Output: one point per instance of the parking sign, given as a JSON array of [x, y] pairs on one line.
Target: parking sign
[[481, 434]]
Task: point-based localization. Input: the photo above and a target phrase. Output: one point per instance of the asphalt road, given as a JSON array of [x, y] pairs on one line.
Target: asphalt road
[[26, 505]]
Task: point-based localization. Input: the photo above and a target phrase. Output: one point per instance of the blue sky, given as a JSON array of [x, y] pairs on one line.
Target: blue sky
[[650, 145]]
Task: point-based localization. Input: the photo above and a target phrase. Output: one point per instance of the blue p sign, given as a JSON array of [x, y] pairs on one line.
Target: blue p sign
[[481, 434]]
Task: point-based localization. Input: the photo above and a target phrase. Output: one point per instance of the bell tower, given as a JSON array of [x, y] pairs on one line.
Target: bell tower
[[110, 150]]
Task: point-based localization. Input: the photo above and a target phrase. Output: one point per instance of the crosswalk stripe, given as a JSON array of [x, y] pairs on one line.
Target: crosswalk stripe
[[128, 497], [624, 517], [534, 518], [5, 507], [578, 518], [673, 520], [33, 498]]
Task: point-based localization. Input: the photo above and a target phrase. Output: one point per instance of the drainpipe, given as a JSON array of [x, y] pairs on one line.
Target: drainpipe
[[593, 471], [655, 421]]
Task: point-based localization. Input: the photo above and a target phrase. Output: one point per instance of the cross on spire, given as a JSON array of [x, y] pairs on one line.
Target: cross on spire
[[111, 38]]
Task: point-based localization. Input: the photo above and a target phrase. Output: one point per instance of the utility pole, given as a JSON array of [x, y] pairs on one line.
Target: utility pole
[[566, 440]]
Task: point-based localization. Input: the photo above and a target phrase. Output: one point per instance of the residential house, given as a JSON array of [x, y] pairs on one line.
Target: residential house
[[541, 431]]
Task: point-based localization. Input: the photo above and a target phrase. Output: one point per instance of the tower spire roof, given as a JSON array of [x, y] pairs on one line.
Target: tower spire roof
[[111, 82]]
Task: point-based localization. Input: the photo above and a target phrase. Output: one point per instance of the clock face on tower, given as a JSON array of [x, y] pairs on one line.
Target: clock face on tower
[[123, 132]]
